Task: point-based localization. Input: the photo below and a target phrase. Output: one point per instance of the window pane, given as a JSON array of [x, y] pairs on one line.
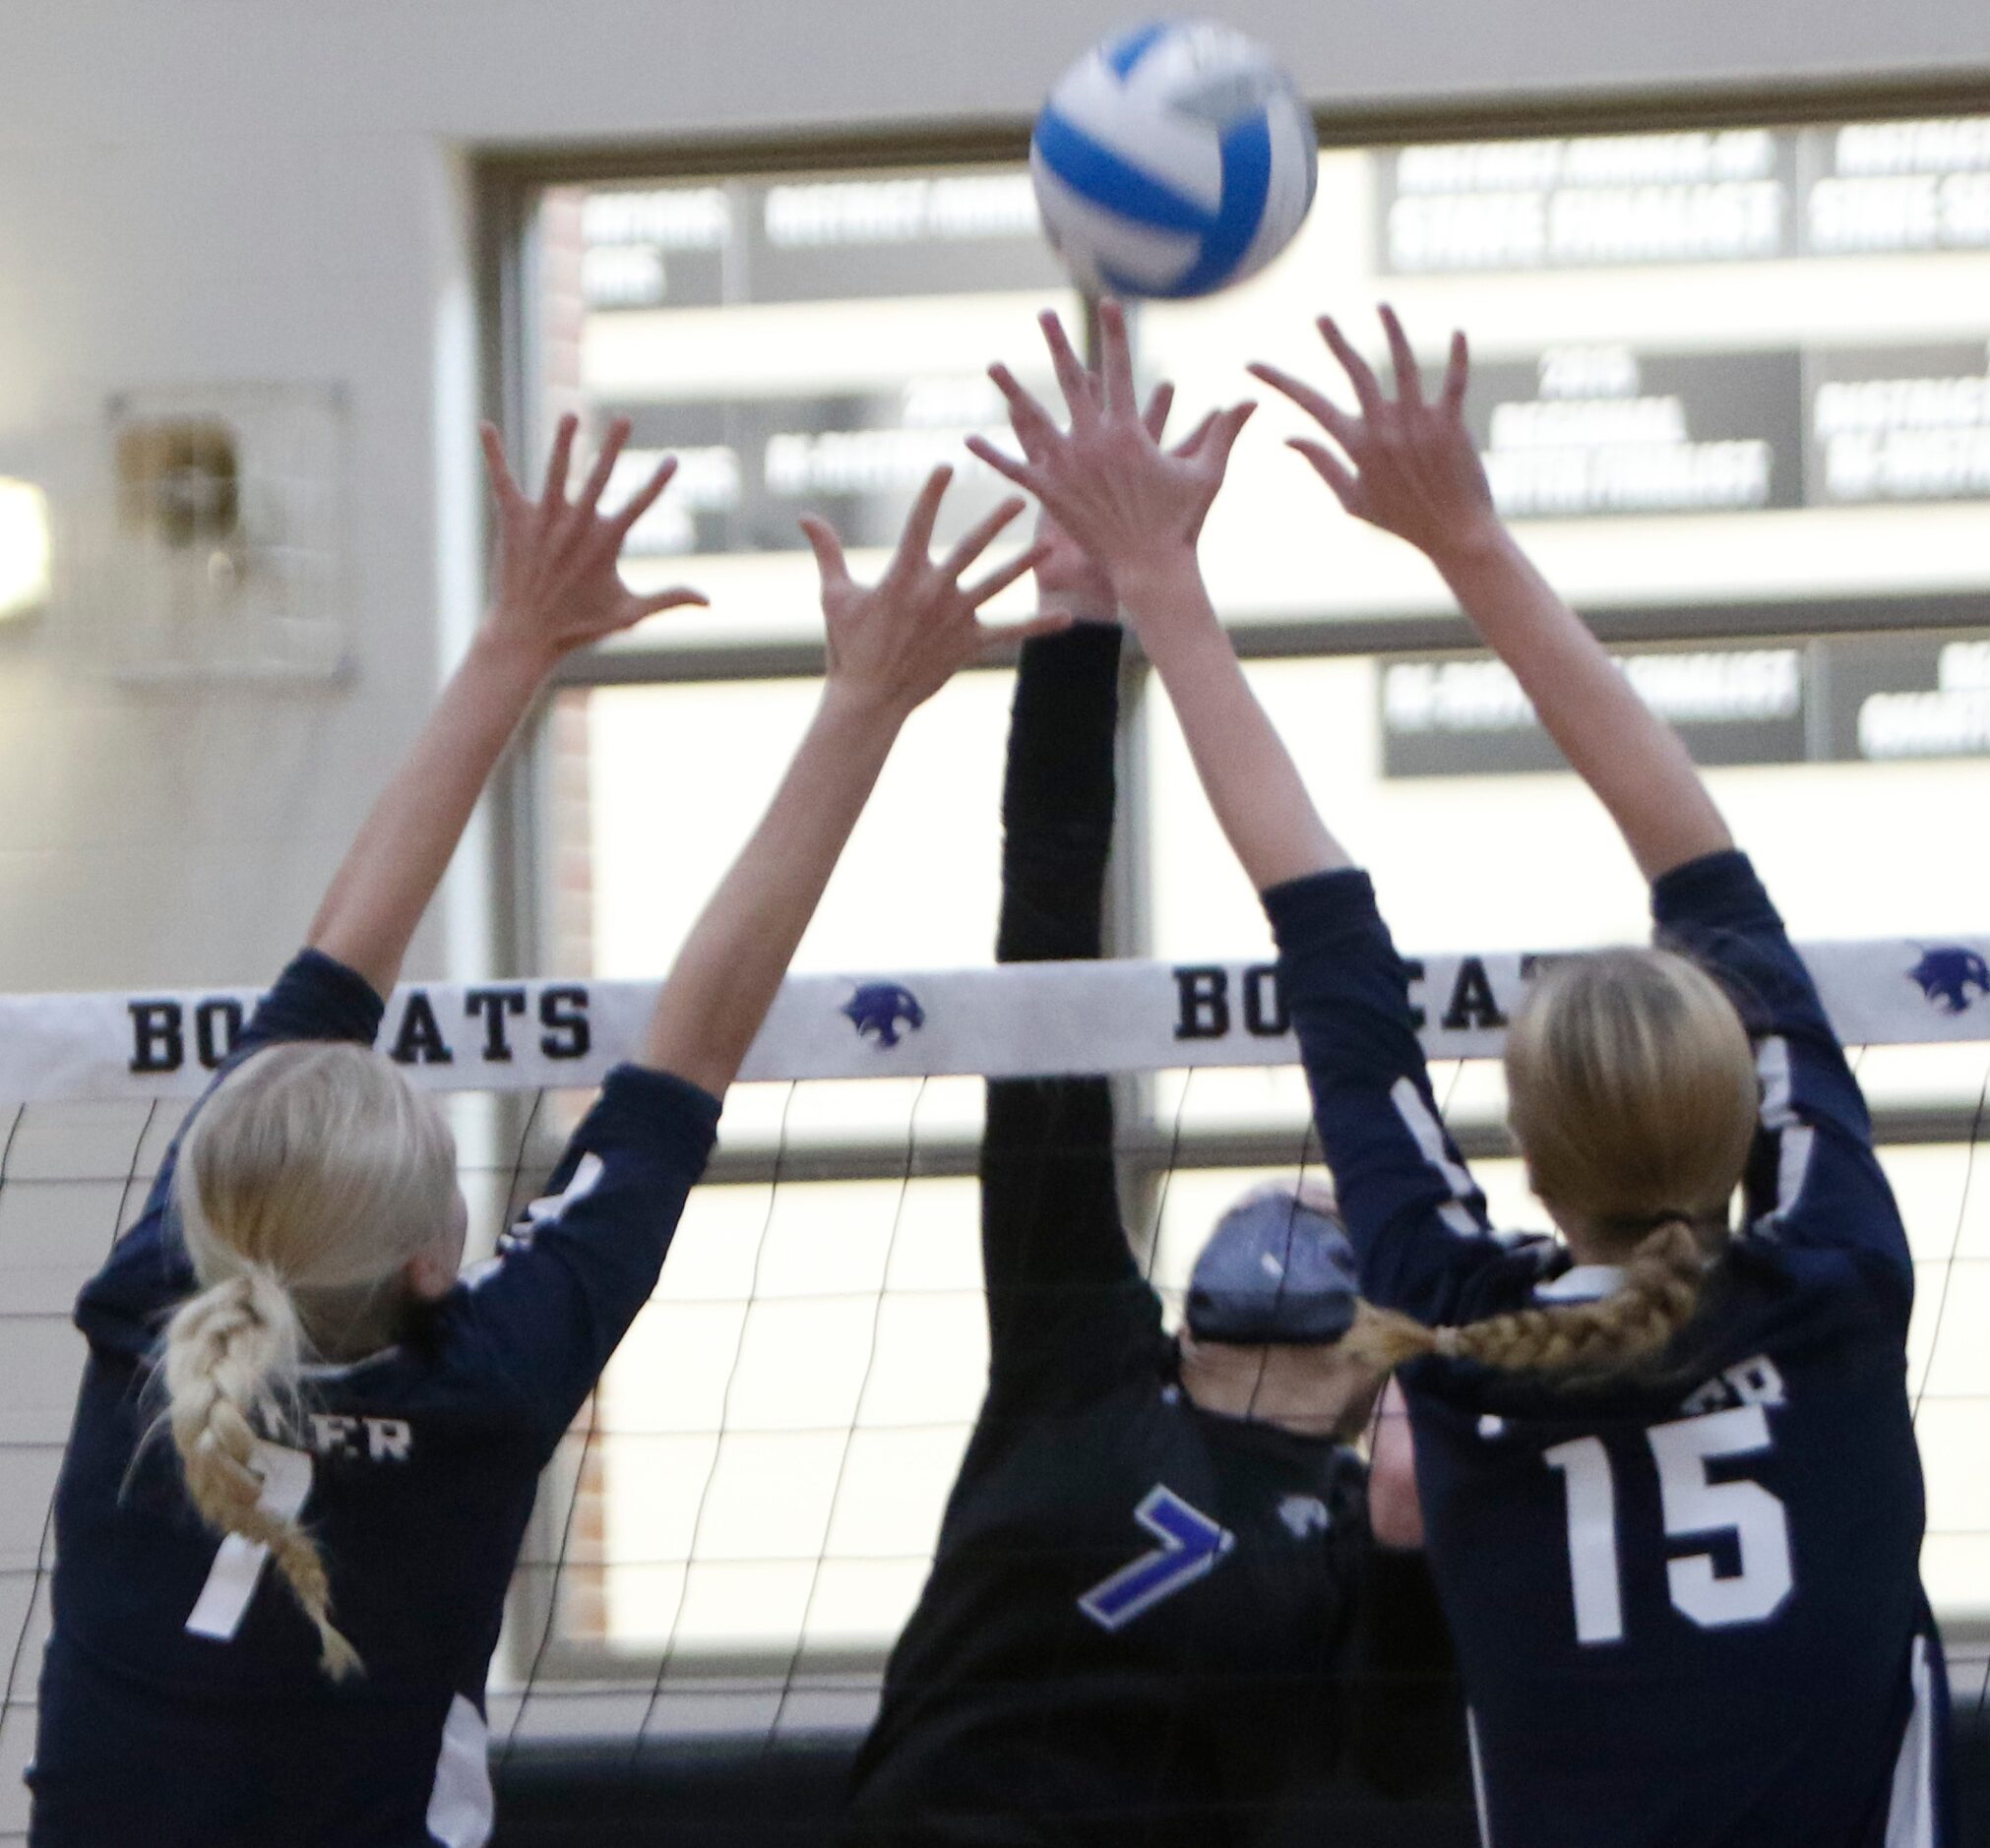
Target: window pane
[[1532, 862], [1713, 369], [810, 344], [1742, 365], [679, 775], [778, 1435]]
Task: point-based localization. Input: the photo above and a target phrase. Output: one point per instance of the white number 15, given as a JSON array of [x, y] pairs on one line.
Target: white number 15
[[1692, 1503]]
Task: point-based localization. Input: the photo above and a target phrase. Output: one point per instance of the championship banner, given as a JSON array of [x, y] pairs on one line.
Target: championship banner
[[1020, 1019]]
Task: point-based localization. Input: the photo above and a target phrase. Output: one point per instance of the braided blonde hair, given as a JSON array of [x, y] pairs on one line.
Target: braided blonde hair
[[305, 1185], [1632, 1091], [1659, 1295], [229, 1351]]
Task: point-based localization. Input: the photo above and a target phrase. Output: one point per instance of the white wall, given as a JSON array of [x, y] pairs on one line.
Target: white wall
[[205, 190]]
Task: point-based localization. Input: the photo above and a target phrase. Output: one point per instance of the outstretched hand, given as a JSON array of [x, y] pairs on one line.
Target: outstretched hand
[[1106, 482], [1404, 463], [895, 643], [1069, 578], [1409, 465], [557, 591], [558, 585]]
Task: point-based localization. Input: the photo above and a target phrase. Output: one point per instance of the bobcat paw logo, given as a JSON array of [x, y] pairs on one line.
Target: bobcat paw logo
[[878, 1010], [1948, 975], [1304, 1514]]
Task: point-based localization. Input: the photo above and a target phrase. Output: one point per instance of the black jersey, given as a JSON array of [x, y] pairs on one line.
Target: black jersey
[[182, 1699], [1138, 1611], [1688, 1609]]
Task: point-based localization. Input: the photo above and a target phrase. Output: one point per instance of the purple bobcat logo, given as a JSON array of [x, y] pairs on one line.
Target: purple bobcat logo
[[1948, 975], [879, 1009]]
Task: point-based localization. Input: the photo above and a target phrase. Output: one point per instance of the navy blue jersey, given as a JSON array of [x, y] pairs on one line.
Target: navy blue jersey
[[1688, 1608], [181, 1697]]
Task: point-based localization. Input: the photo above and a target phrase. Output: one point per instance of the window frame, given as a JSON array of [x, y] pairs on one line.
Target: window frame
[[506, 183]]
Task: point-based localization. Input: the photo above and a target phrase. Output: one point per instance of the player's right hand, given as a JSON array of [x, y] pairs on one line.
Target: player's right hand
[[1106, 480]]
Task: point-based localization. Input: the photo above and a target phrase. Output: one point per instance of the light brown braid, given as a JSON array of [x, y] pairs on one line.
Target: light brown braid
[[224, 1349], [1664, 1278]]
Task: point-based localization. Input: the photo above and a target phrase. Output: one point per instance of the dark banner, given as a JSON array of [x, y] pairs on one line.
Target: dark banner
[[1872, 188], [1465, 715], [1606, 429], [1899, 423], [1700, 195], [749, 467], [809, 239], [1736, 195], [1839, 699], [1898, 698]]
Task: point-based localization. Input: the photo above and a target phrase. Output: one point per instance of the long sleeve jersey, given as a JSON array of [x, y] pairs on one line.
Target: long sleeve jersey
[[1687, 1605], [1137, 1613], [182, 1704]]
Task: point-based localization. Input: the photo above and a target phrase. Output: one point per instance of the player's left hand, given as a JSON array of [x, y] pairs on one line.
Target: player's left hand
[[558, 585], [1106, 480], [1406, 463], [895, 643]]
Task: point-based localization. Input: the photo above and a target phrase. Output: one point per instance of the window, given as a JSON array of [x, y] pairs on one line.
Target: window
[[1732, 387]]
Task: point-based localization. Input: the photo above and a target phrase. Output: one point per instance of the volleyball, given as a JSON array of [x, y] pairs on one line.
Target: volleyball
[[1173, 161]]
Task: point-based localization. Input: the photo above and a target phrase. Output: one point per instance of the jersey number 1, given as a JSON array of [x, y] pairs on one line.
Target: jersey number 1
[[1693, 1503], [238, 1567]]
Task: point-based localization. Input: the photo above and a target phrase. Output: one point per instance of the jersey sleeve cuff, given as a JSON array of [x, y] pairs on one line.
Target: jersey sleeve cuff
[[318, 997], [658, 1108], [1073, 666], [1716, 889], [1322, 907]]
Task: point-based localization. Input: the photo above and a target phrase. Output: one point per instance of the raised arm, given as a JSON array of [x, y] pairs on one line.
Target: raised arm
[[1058, 783], [1055, 1260], [558, 590], [579, 1267], [1407, 465], [1409, 1203], [1139, 508], [892, 646]]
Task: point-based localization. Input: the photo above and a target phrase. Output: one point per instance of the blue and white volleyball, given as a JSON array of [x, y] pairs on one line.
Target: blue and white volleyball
[[1173, 161]]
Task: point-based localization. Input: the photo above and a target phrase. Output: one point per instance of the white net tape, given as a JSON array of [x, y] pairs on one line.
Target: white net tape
[[1022, 1019]]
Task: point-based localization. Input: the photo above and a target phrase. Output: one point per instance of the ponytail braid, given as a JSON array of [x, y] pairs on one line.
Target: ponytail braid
[[231, 1357], [1661, 1293]]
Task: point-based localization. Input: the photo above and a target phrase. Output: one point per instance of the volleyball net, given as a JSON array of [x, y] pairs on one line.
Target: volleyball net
[[744, 1515]]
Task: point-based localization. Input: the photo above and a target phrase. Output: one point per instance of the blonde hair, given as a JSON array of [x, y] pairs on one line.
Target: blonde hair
[[1635, 1324], [305, 1185], [1632, 1091]]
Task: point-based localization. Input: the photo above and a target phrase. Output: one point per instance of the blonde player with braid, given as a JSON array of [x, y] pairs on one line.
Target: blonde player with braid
[[305, 1451], [1666, 1465]]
